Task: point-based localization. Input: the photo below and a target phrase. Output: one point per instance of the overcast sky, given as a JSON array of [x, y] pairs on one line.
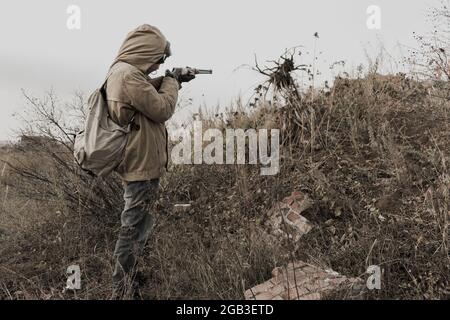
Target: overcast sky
[[39, 52]]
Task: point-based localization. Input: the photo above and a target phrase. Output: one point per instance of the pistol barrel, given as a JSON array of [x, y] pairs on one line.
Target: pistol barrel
[[203, 71]]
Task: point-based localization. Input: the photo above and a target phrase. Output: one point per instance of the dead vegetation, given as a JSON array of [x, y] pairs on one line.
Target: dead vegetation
[[371, 152]]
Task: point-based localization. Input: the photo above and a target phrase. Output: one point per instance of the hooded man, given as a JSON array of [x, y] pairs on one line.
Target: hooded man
[[146, 103]]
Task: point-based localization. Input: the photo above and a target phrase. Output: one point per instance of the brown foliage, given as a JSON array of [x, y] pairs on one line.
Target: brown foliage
[[372, 152]]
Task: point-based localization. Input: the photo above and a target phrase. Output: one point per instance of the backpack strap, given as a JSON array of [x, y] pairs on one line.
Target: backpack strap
[[102, 90], [103, 87]]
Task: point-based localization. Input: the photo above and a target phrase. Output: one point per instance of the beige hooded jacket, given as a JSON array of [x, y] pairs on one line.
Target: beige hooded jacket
[[131, 93]]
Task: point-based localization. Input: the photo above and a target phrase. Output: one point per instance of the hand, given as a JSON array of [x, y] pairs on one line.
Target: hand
[[181, 74], [186, 74]]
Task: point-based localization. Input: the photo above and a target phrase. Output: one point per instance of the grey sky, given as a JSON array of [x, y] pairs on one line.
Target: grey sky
[[39, 52]]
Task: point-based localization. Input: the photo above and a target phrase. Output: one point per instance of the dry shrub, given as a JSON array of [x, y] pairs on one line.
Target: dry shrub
[[372, 152]]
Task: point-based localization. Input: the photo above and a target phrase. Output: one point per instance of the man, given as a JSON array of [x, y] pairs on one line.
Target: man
[[146, 103]]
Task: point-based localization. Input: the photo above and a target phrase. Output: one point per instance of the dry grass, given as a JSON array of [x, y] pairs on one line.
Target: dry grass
[[372, 152]]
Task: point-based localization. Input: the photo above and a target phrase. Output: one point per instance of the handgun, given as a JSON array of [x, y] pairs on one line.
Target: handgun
[[189, 70]]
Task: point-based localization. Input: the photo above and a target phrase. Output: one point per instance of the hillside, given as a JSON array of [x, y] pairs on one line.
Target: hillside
[[371, 153]]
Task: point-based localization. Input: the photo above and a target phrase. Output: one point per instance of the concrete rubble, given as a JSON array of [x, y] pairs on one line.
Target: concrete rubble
[[181, 207], [285, 219], [300, 281]]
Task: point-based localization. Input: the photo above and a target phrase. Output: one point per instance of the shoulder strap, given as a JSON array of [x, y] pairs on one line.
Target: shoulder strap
[[103, 93], [103, 87]]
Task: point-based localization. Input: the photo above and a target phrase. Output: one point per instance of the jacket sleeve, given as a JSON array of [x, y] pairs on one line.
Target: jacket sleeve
[[159, 105], [156, 82]]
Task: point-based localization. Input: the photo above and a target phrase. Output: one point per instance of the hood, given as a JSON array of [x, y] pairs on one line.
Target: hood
[[142, 47]]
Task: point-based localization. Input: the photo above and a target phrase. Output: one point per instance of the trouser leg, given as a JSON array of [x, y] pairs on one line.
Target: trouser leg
[[136, 225]]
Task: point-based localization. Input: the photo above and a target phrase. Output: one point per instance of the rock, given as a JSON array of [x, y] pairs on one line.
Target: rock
[[300, 281], [181, 207], [285, 219]]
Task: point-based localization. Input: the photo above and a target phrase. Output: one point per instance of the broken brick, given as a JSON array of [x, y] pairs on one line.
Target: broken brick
[[300, 281]]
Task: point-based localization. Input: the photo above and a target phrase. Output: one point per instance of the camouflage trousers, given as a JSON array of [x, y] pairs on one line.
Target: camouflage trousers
[[136, 224]]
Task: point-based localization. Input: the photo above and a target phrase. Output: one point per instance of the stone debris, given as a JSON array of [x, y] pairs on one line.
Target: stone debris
[[300, 281], [285, 219], [182, 207]]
